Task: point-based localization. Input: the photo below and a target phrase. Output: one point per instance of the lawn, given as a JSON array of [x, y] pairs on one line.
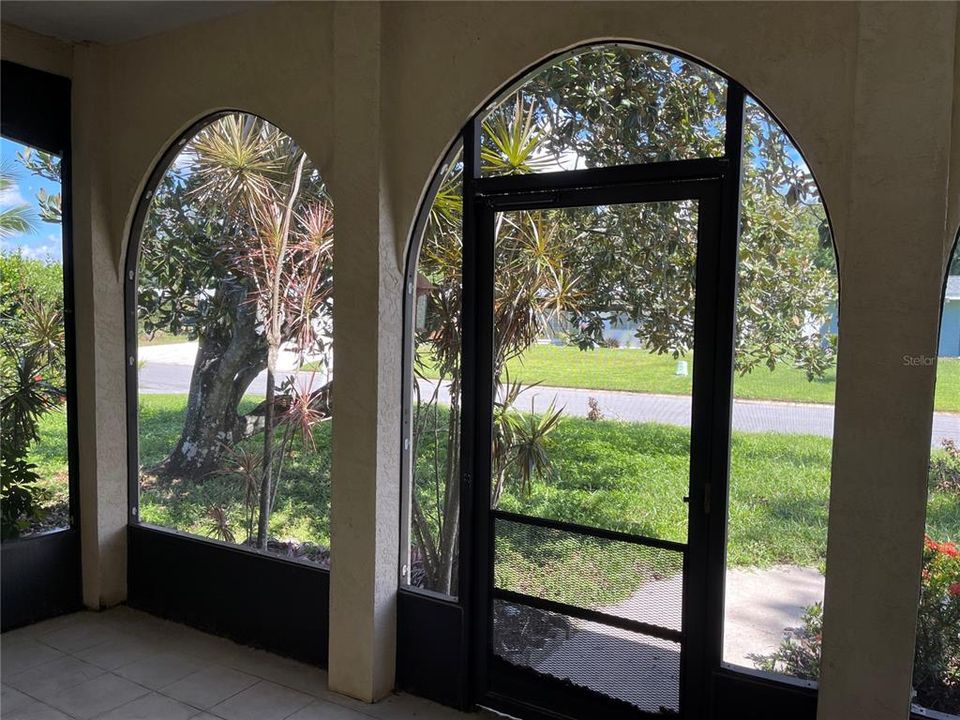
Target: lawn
[[622, 476], [162, 338], [635, 370]]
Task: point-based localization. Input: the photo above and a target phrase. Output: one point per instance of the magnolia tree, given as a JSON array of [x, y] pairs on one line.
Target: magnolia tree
[[589, 267], [237, 253]]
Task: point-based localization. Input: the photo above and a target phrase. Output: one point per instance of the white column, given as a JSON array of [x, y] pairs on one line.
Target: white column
[[101, 390], [890, 285], [366, 394]]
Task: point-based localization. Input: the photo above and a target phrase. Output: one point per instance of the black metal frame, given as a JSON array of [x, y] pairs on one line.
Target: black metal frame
[[41, 574], [697, 180], [192, 579], [720, 691]]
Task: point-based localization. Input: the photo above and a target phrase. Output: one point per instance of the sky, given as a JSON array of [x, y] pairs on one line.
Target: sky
[[44, 241]]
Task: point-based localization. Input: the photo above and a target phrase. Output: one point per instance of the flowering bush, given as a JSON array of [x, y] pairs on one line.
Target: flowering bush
[[936, 666]]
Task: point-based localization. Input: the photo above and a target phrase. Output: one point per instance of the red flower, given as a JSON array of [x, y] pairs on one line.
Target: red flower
[[954, 589], [949, 549], [37, 378]]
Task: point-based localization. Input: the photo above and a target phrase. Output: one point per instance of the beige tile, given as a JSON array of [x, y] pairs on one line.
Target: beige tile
[[84, 633], [401, 706], [263, 701], [34, 710], [12, 699], [93, 697], [50, 678], [207, 687], [320, 710], [151, 707], [121, 651], [283, 671], [158, 671], [23, 654]]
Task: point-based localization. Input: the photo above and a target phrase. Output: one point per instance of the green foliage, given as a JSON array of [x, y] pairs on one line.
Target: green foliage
[[48, 166], [936, 666], [43, 278], [32, 383], [586, 267], [219, 503], [945, 468], [201, 223], [16, 219], [799, 652]]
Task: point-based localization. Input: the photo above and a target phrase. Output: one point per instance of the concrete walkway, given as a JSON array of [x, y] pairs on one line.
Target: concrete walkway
[[760, 605], [166, 369]]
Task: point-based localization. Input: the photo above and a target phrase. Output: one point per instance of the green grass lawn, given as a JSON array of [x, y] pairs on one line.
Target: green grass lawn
[[162, 338], [640, 371], [622, 476], [302, 510]]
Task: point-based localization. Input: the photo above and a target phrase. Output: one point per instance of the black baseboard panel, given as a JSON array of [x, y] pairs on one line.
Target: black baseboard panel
[[431, 651], [39, 578], [279, 605], [748, 696]]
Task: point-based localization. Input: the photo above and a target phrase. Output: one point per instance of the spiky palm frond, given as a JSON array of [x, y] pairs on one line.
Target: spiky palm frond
[[239, 162], [16, 219], [514, 141]]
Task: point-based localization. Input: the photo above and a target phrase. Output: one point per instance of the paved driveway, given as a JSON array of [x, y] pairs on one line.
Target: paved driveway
[[748, 415]]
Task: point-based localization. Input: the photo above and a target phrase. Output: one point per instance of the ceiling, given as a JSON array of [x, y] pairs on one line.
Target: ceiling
[[110, 22]]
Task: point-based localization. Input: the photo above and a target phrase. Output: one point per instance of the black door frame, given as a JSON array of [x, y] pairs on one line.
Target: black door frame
[[41, 574], [715, 184], [700, 181]]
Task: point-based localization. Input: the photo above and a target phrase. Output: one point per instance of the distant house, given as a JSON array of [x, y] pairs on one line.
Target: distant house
[[950, 322]]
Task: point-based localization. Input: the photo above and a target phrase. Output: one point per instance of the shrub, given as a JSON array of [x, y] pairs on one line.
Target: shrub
[[799, 651], [936, 666], [32, 367], [945, 468]]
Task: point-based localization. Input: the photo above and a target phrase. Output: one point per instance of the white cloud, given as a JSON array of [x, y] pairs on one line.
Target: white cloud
[[11, 197]]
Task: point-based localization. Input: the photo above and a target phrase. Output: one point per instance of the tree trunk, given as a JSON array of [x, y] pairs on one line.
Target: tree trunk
[[228, 360], [263, 522]]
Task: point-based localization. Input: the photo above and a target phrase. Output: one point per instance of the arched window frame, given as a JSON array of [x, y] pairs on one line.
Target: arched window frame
[[468, 140]]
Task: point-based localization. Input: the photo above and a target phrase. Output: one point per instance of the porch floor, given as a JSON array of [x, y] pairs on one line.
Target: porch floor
[[122, 664]]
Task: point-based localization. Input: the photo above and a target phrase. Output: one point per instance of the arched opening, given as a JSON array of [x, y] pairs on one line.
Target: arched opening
[[229, 335], [580, 250], [937, 655]]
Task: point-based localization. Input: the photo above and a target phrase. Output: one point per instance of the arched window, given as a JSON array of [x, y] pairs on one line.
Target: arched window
[[937, 656], [600, 375], [234, 301]]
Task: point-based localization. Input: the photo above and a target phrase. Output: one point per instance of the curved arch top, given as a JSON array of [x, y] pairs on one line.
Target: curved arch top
[[231, 262], [573, 135]]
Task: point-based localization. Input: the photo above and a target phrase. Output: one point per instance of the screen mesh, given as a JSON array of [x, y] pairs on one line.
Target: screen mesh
[[618, 578], [638, 669]]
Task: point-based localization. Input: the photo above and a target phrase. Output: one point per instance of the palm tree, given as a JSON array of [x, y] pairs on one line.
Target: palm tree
[[17, 219], [275, 241]]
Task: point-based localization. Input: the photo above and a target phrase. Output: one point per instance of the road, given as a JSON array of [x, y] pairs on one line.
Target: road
[[748, 415]]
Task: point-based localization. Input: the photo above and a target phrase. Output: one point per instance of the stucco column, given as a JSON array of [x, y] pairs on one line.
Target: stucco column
[[366, 396], [101, 394], [890, 285]]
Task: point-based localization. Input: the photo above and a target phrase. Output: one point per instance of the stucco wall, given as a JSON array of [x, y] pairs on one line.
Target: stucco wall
[[375, 93]]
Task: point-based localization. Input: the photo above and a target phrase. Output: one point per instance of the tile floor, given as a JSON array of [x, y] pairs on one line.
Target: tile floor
[[126, 665]]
